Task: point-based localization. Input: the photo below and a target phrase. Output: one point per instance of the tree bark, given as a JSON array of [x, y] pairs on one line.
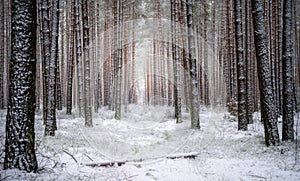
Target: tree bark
[[242, 119], [87, 73], [287, 73], [268, 108], [194, 99], [20, 136]]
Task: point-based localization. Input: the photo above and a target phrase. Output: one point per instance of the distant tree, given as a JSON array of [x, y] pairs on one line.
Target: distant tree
[[176, 62], [70, 58], [118, 96], [288, 72], [248, 68], [268, 108], [20, 136], [79, 57]]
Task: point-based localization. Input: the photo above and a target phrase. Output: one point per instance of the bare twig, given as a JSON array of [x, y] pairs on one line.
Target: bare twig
[[71, 156], [257, 176], [88, 157]]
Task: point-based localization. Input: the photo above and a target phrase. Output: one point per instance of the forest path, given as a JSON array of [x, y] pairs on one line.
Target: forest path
[[150, 133]]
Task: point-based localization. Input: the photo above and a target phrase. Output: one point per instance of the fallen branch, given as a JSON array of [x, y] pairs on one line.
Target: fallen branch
[[71, 155], [106, 164], [257, 176], [192, 155]]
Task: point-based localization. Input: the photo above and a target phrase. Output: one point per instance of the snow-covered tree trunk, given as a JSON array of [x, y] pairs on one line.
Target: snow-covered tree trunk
[[119, 63], [194, 99], [176, 62], [45, 8], [249, 102], [50, 56], [20, 136], [268, 108], [50, 126], [87, 73], [287, 73], [242, 120], [2, 29], [79, 58], [70, 60]]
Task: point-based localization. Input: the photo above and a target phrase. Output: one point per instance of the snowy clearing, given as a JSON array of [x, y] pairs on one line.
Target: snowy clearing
[[145, 137]]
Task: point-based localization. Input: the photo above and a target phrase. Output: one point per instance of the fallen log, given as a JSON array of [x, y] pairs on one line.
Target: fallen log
[[106, 164], [192, 155]]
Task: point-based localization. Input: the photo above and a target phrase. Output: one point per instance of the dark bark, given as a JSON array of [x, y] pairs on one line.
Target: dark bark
[[50, 121], [45, 8], [70, 63], [249, 81], [2, 29], [287, 73], [20, 136], [268, 108], [241, 81], [87, 78]]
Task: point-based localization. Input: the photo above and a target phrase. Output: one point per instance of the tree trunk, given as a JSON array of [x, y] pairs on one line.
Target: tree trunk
[[50, 122], [242, 119], [268, 109], [70, 63], [79, 58], [20, 136], [119, 63], [287, 73], [87, 73], [2, 29], [194, 100], [249, 82], [176, 62]]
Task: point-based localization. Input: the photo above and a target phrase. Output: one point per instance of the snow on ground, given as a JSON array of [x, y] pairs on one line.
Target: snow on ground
[[145, 137]]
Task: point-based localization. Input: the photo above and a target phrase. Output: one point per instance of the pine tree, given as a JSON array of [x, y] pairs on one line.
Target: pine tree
[[242, 121], [194, 100], [118, 96], [2, 30], [268, 109], [79, 58], [87, 73], [20, 136], [287, 71]]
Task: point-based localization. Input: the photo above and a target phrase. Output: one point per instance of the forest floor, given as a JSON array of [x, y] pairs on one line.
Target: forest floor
[[145, 138]]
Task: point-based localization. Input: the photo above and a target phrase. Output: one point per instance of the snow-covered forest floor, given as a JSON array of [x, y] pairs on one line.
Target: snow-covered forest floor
[[145, 137]]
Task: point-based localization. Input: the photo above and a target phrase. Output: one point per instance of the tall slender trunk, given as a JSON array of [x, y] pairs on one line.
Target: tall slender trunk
[[119, 62], [249, 82], [194, 100], [79, 58], [87, 73], [50, 125], [287, 73], [70, 63], [242, 119], [268, 109]]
